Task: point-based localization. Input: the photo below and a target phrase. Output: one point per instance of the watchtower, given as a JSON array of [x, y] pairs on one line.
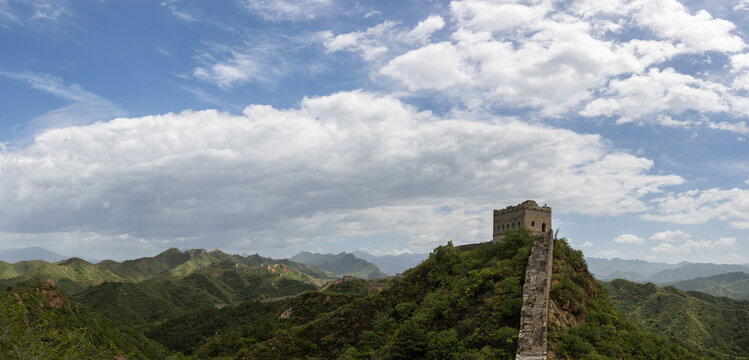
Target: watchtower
[[536, 218]]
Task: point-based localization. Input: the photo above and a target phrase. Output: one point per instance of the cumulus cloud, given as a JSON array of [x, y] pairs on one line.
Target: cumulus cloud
[[671, 19], [629, 239], [670, 236], [426, 28], [348, 164], [582, 58], [700, 206], [689, 245], [657, 92], [586, 244]]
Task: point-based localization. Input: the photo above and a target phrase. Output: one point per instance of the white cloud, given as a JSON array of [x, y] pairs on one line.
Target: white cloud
[[386, 251], [433, 67], [738, 127], [369, 43], [655, 92], [742, 5], [562, 60], [670, 19], [33, 13], [585, 244], [700, 206], [496, 16], [374, 42], [263, 60], [348, 164], [689, 245], [629, 239], [670, 236], [182, 14], [520, 55], [425, 28], [293, 10], [608, 254], [238, 69]]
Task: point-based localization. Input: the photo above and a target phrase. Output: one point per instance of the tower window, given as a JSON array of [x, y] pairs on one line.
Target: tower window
[[543, 227], [533, 223]]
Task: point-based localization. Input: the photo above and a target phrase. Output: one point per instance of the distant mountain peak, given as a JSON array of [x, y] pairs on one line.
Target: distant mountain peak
[[340, 264], [30, 253]]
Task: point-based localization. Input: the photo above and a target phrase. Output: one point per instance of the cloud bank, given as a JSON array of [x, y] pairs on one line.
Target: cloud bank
[[348, 164]]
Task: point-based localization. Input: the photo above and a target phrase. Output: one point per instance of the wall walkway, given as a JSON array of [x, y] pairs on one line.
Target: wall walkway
[[533, 315]]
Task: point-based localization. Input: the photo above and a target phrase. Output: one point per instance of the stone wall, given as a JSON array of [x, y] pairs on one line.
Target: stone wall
[[533, 315]]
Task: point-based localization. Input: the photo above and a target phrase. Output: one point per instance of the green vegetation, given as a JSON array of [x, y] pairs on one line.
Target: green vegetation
[[465, 304], [584, 323], [460, 303], [76, 275], [38, 322], [456, 304], [152, 301], [734, 285], [709, 326], [340, 264]]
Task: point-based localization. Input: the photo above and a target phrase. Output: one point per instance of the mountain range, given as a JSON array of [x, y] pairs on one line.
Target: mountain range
[[733, 285], [392, 264], [340, 264], [658, 273], [74, 275], [458, 303], [30, 253], [714, 327]]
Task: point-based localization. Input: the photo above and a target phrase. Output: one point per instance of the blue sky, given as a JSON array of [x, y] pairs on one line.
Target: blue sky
[[127, 127]]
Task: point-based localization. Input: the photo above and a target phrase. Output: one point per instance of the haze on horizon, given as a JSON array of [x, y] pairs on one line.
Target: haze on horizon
[[272, 127]]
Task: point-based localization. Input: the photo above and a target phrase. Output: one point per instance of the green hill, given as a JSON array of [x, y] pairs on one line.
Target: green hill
[[151, 301], [38, 322], [692, 271], [713, 327], [214, 332], [733, 285], [75, 275], [340, 264], [461, 303], [72, 275]]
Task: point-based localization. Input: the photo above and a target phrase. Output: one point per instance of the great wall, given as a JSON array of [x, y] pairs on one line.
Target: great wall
[[534, 312]]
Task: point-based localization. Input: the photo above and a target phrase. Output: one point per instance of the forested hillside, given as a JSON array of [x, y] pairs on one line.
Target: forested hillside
[[713, 327], [465, 304], [75, 275], [460, 303], [38, 322], [733, 285]]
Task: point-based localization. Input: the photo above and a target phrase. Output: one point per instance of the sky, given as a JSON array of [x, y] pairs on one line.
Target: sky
[[273, 127]]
